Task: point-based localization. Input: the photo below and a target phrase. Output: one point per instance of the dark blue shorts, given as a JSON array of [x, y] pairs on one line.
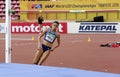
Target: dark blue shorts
[[45, 48]]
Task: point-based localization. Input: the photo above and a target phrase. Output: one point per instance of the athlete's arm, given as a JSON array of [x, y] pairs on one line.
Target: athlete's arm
[[40, 20], [39, 38], [58, 43]]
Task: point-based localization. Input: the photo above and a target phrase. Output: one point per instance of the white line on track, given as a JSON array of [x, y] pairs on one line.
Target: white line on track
[[17, 38]]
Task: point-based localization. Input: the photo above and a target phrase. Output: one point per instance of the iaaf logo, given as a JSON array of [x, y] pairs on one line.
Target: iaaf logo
[[34, 28], [49, 6], [36, 6]]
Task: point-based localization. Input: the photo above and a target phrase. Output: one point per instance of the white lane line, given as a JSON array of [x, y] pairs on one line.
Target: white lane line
[[17, 38]]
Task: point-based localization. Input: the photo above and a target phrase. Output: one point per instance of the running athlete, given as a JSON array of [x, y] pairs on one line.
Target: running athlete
[[40, 20], [45, 45]]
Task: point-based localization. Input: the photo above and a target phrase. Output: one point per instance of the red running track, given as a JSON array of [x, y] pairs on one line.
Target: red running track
[[75, 51]]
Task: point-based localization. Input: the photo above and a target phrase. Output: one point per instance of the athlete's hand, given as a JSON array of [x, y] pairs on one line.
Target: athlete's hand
[[40, 20], [38, 49], [51, 50]]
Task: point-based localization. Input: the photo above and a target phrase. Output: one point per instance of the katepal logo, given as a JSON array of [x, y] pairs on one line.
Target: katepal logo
[[98, 27], [36, 6]]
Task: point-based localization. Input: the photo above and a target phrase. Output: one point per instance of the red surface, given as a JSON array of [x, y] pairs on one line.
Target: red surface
[[75, 51]]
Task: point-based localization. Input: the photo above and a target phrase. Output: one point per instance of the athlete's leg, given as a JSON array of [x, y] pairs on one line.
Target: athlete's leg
[[37, 56], [44, 57]]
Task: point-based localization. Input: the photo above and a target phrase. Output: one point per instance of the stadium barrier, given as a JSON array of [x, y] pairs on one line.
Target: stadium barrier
[[66, 27]]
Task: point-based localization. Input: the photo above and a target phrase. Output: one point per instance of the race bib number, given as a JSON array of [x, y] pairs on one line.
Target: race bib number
[[50, 37]]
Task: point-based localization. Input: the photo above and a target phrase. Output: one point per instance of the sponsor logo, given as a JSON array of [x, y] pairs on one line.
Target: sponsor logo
[[36, 6], [98, 27], [49, 6], [27, 27]]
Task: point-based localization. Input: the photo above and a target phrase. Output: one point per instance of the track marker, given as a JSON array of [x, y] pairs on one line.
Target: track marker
[[33, 38], [89, 39]]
